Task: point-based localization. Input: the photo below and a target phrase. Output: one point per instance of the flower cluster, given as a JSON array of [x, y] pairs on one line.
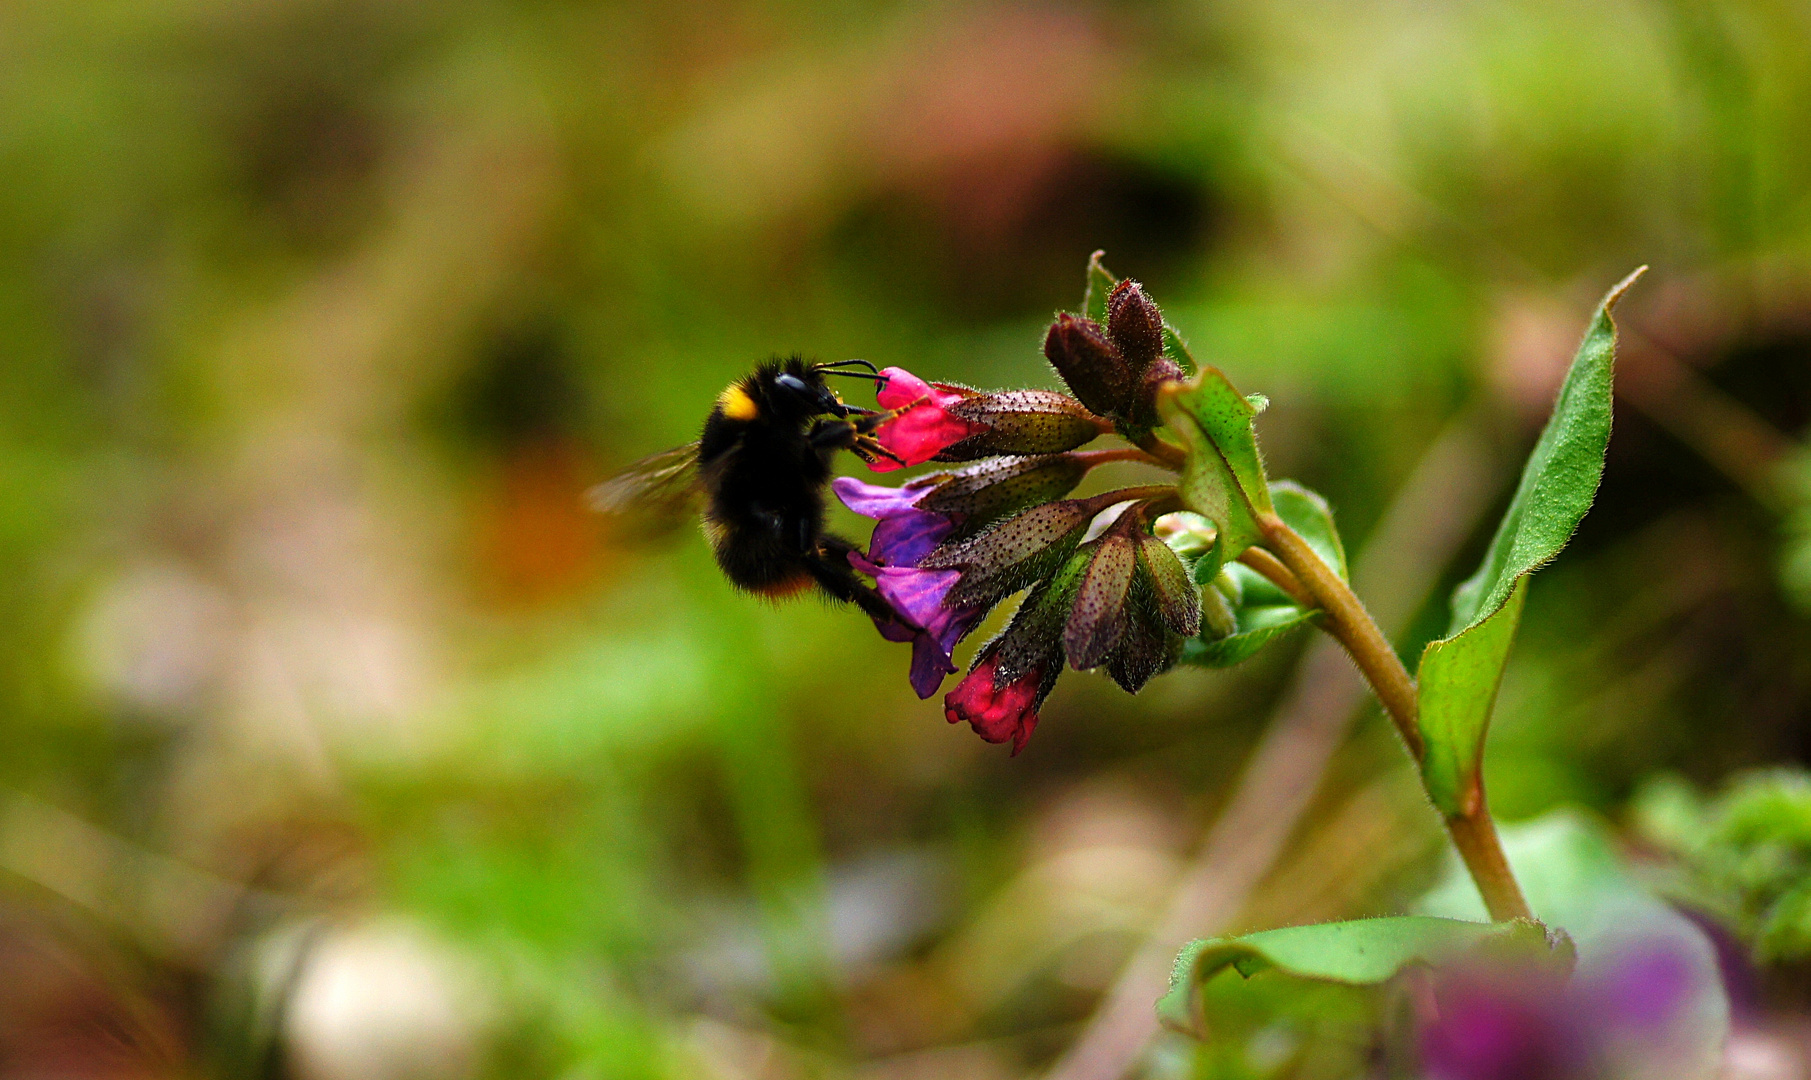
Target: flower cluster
[[1101, 591]]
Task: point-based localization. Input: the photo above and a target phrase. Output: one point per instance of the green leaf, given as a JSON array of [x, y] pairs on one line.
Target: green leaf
[[1264, 612], [1223, 477], [1176, 349], [1308, 514], [1360, 953], [1100, 284], [1743, 857], [1458, 687], [1560, 480], [1257, 626], [1459, 674]]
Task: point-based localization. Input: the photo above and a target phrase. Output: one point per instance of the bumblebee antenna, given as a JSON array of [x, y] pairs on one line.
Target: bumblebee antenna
[[875, 375], [828, 369]]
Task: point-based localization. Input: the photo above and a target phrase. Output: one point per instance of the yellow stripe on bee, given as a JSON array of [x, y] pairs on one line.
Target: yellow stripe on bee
[[736, 404]]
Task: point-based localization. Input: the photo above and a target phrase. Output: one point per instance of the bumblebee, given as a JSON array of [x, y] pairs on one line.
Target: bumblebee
[[760, 467]]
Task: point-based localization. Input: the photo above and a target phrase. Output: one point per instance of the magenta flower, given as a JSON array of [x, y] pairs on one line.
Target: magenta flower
[[926, 428], [903, 537]]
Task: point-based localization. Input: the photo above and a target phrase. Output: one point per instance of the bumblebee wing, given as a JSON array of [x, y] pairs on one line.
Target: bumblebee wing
[[658, 492]]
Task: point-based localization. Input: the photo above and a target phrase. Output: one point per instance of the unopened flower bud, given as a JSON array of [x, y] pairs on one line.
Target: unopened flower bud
[[1144, 406], [1034, 638], [1134, 324], [1090, 364], [1001, 709], [1217, 615], [1098, 619], [1177, 600], [989, 490], [1148, 646], [1021, 422], [1014, 553], [1014, 673], [1133, 607]]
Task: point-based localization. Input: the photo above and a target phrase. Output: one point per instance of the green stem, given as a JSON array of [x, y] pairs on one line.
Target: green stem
[[1474, 833]]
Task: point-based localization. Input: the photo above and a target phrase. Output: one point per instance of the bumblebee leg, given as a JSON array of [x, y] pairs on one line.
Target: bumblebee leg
[[852, 436], [829, 567], [832, 435]]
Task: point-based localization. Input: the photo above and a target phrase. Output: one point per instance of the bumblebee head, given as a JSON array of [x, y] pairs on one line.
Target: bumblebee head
[[789, 391]]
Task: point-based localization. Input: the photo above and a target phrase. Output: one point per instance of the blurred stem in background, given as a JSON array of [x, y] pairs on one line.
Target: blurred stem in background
[[783, 857]]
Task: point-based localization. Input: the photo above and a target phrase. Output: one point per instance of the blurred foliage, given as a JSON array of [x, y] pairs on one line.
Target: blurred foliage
[[328, 706], [1745, 854]]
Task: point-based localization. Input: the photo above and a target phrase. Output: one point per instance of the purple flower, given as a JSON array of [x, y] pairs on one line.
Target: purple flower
[[1522, 1025], [1492, 1027], [903, 537]]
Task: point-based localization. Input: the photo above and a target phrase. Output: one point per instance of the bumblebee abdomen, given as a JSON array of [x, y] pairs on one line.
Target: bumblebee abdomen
[[754, 557]]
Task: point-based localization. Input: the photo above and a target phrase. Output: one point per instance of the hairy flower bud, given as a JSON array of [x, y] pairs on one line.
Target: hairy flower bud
[[1015, 672], [1000, 710], [1015, 553], [1177, 601], [1034, 638], [1144, 406], [992, 489], [1020, 422], [1097, 619], [1148, 647], [1134, 324], [1133, 607], [1090, 364]]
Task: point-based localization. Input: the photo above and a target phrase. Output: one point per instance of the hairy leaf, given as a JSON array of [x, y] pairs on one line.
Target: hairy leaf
[[1359, 953], [1263, 612], [1560, 479], [1223, 477], [1100, 286], [1459, 675]]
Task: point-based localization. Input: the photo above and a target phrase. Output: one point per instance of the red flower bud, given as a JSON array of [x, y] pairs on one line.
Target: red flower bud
[[1144, 407], [999, 713]]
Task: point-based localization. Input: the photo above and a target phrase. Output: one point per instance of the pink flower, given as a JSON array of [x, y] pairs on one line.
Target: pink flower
[[999, 713], [926, 428]]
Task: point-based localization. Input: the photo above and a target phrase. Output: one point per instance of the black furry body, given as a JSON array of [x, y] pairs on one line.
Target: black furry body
[[764, 462]]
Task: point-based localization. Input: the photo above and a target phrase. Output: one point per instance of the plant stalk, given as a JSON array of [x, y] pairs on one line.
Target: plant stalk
[[1166, 454], [1474, 833], [1279, 575], [1092, 458]]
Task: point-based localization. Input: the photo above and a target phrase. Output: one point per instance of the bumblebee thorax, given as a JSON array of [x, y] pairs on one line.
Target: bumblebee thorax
[[736, 403]]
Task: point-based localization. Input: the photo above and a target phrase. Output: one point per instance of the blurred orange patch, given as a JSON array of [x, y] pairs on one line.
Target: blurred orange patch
[[536, 540]]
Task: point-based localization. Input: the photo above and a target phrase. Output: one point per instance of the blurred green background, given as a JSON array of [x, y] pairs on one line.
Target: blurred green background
[[337, 741]]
